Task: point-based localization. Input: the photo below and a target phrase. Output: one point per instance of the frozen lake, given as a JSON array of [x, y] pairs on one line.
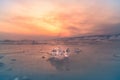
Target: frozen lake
[[96, 61]]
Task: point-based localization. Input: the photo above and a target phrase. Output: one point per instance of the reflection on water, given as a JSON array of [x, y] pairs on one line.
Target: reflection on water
[[86, 62], [60, 64]]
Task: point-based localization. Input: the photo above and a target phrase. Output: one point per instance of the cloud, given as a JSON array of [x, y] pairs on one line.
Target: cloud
[[107, 28], [73, 30], [64, 17]]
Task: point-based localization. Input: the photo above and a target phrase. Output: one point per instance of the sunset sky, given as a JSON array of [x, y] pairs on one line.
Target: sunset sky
[[43, 19]]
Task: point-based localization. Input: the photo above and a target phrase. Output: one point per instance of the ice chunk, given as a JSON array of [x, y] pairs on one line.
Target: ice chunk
[[60, 53], [25, 78]]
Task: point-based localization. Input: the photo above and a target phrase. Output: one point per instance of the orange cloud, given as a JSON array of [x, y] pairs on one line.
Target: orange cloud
[[58, 18]]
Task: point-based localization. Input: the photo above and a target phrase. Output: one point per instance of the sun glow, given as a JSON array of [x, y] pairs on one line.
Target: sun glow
[[36, 18], [57, 17], [49, 23]]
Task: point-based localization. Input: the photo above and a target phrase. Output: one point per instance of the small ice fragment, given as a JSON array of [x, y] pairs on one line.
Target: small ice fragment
[[13, 59], [1, 64], [25, 78], [116, 55], [9, 69], [1, 57], [16, 78], [77, 50], [43, 57], [67, 50], [66, 55]]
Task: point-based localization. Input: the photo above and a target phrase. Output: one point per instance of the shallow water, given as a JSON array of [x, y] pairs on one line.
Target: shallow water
[[99, 61]]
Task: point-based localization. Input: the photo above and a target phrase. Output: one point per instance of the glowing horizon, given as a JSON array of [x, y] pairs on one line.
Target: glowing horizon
[[58, 17]]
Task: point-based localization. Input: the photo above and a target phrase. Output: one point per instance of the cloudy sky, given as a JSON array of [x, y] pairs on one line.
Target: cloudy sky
[[43, 19]]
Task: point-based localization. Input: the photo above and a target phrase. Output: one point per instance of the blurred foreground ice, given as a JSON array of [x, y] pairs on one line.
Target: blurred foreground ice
[[87, 60]]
